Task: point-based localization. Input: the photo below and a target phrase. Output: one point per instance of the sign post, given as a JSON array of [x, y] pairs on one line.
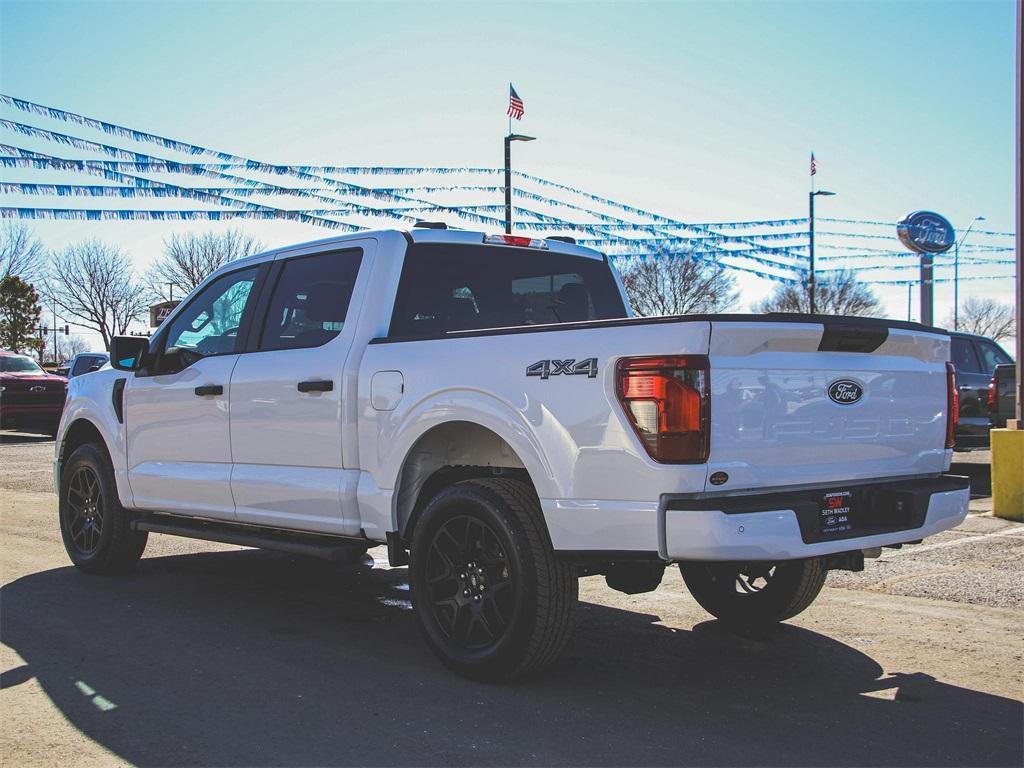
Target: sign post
[[926, 233]]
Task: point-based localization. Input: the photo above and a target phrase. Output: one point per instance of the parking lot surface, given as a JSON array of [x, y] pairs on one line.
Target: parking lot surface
[[216, 655]]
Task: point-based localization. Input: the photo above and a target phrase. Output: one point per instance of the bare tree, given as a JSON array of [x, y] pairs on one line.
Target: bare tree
[[985, 317], [21, 254], [841, 293], [190, 258], [69, 346], [93, 284], [676, 284]]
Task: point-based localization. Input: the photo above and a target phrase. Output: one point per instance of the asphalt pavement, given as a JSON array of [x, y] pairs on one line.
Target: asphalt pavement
[[217, 655]]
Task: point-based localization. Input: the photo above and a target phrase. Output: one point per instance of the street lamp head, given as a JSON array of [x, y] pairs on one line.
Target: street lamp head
[[824, 192], [520, 137]]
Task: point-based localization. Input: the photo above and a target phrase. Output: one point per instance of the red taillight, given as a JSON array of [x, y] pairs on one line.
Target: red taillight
[[667, 400], [952, 405], [993, 402]]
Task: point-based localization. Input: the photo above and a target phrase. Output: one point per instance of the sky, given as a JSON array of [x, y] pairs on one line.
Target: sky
[[706, 111]]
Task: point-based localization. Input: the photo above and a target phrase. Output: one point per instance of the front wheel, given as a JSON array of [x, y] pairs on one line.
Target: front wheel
[[751, 596], [490, 597], [95, 527]]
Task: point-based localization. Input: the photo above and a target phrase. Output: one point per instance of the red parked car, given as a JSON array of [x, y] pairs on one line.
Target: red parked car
[[29, 396]]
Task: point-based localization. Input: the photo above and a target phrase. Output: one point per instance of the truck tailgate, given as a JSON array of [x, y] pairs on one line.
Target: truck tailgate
[[804, 403]]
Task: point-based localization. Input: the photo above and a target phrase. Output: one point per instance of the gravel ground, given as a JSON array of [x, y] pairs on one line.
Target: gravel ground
[[216, 655]]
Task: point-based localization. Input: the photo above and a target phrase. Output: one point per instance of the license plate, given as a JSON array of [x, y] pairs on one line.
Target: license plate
[[837, 513]]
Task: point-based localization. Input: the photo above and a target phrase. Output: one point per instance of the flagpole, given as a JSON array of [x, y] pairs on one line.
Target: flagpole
[[509, 138], [508, 171], [810, 241]]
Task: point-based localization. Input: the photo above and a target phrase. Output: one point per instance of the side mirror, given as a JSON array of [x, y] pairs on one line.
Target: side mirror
[[128, 352], [93, 368]]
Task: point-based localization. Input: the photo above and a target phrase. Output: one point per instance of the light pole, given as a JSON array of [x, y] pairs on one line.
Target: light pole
[[810, 278], [956, 272], [508, 174]]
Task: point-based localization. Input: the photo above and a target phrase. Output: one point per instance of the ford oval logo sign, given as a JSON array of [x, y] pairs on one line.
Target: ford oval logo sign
[[926, 232], [845, 391]]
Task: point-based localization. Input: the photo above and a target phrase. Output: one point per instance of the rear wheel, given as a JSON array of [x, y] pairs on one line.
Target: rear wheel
[[95, 528], [490, 597], [754, 595]]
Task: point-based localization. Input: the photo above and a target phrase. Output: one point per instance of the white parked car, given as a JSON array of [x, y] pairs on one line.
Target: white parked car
[[487, 407]]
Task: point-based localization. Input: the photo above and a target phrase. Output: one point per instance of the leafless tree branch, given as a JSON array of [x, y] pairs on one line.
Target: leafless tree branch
[[190, 258], [841, 293], [93, 284], [676, 284], [985, 317], [21, 253]]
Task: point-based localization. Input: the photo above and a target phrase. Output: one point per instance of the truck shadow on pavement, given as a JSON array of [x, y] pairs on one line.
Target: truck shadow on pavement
[[255, 658]]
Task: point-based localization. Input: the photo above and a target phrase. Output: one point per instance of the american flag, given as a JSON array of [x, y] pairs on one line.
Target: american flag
[[515, 104], [814, 165]]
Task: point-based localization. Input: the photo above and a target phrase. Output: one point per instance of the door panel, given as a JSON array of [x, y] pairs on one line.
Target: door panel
[[286, 401], [179, 456], [176, 411]]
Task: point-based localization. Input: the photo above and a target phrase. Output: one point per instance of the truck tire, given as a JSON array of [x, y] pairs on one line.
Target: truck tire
[[492, 600], [95, 528], [751, 596]]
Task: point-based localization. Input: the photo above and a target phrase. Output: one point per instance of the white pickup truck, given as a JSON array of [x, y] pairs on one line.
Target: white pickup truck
[[488, 408]]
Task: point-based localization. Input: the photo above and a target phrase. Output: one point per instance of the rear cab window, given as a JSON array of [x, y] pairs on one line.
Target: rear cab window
[[963, 356], [991, 356], [459, 287]]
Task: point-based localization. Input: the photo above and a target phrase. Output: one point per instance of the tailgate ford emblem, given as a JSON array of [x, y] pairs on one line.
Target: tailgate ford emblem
[[845, 391]]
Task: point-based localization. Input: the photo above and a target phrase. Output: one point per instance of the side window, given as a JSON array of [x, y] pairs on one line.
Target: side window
[[310, 300], [82, 365], [209, 325], [991, 356], [962, 354]]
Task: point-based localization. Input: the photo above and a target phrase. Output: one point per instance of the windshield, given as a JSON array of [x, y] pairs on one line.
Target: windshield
[[18, 364]]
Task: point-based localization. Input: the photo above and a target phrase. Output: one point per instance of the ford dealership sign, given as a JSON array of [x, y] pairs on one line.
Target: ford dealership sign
[[926, 232]]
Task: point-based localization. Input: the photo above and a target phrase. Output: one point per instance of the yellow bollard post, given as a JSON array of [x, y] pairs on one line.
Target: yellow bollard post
[[1008, 473]]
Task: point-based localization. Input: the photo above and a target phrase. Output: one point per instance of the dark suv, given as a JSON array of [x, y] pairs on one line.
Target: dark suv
[[83, 362], [975, 359]]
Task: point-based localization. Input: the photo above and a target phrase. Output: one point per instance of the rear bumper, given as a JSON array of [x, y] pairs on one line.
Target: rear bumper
[[771, 526], [785, 526]]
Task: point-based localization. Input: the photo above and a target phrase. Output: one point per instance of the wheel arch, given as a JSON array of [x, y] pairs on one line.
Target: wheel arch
[[82, 430], [447, 453]]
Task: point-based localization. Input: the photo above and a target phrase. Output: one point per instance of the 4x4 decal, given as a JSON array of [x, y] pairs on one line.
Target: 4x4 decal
[[548, 368]]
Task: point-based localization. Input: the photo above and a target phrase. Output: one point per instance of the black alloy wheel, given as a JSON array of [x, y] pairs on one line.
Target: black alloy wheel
[[470, 585], [84, 510], [96, 529], [492, 600], [755, 595]]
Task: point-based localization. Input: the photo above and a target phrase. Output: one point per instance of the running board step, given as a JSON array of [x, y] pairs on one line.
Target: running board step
[[325, 547]]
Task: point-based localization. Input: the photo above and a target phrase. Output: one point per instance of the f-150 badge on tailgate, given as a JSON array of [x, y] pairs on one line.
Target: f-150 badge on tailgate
[[548, 368], [845, 391]]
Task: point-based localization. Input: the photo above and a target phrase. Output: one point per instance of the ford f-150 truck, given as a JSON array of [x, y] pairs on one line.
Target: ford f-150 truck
[[488, 407]]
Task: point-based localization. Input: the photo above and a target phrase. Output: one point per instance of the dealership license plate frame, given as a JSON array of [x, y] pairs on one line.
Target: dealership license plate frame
[[837, 514]]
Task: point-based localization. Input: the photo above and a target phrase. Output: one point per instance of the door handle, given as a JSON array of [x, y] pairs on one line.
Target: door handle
[[210, 389], [315, 386]]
